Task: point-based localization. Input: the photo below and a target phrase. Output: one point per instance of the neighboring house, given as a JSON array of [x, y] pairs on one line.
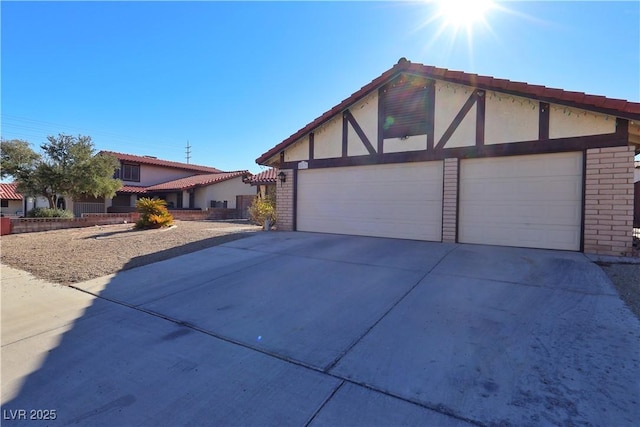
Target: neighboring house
[[431, 154], [265, 182], [11, 202], [182, 185]]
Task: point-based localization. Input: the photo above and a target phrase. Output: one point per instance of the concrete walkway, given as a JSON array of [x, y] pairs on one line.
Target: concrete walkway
[[311, 329]]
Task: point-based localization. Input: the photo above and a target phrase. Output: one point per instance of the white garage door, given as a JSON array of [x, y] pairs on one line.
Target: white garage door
[[394, 200], [529, 201]]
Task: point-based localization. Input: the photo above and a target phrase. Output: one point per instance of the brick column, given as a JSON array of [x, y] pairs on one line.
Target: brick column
[[608, 215], [284, 202], [450, 200]]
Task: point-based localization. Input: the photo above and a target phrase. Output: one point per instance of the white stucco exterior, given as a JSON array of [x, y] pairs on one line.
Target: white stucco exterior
[[225, 190], [449, 100], [567, 122], [327, 141], [14, 209], [510, 119], [298, 151]]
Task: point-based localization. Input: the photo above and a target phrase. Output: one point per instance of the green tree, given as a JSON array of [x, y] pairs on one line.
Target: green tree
[[68, 166], [16, 155]]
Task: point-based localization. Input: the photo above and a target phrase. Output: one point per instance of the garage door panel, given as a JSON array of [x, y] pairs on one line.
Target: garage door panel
[[504, 202], [399, 200]]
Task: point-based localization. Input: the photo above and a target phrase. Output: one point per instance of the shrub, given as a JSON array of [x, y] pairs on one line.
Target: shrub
[[153, 213], [49, 213], [262, 209]]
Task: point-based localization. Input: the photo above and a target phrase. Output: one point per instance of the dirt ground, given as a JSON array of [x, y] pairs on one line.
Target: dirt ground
[[626, 279], [74, 255], [78, 254]]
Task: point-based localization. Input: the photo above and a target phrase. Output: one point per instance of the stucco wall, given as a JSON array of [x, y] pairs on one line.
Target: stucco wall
[[449, 100], [150, 175], [14, 206], [298, 151], [567, 122], [328, 139], [225, 190], [510, 118]]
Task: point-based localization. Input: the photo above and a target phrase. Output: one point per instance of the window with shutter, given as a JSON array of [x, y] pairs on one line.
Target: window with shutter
[[405, 104]]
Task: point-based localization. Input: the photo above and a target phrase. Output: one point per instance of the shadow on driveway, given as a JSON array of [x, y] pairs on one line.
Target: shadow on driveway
[[312, 329]]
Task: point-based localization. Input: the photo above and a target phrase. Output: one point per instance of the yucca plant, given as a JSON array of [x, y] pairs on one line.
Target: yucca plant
[[153, 213]]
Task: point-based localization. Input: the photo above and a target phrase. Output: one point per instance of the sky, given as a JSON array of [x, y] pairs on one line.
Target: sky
[[233, 79]]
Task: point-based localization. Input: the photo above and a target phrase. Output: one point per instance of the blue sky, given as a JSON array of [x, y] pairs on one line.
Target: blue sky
[[236, 78]]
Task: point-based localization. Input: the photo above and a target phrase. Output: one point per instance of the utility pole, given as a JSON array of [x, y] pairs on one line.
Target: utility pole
[[188, 151]]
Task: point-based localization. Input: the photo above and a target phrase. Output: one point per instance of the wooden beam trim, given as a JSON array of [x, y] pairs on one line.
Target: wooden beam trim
[[345, 131], [457, 120], [380, 122], [496, 150], [360, 132], [311, 145], [480, 116], [294, 224], [431, 114], [543, 120]]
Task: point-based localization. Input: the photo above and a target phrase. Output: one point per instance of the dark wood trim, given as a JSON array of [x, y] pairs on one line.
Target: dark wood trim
[[430, 108], [457, 120], [584, 193], [543, 120], [282, 158], [622, 128], [311, 145], [360, 132], [345, 132], [458, 201], [294, 216], [480, 116], [494, 150], [380, 122]]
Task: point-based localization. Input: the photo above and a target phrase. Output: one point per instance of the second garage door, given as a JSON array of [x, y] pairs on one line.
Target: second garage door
[[392, 200], [528, 201]]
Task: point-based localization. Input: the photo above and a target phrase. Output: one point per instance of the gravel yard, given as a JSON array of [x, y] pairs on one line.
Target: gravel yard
[[78, 254]]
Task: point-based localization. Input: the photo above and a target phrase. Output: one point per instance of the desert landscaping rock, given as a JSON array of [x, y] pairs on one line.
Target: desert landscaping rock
[[79, 254]]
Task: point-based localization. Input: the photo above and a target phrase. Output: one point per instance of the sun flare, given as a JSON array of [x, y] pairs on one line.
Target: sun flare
[[463, 14]]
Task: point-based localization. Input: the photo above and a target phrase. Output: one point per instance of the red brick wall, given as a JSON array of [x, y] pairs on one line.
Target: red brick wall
[[30, 225]]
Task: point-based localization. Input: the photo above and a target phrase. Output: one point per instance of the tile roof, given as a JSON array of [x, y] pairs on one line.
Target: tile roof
[[147, 160], [132, 189], [10, 192], [615, 107], [196, 181], [265, 177]]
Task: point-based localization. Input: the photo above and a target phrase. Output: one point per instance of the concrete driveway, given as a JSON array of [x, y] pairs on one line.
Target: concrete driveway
[[312, 329]]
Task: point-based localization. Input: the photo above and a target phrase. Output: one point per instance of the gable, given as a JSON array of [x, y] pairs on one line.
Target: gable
[[421, 108]]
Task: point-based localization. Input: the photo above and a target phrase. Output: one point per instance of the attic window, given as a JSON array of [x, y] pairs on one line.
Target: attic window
[[404, 107]]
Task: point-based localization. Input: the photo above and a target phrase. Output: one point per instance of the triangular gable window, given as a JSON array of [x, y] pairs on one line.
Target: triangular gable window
[[404, 106]]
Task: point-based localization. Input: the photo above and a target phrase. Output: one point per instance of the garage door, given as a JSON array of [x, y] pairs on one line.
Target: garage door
[[527, 201], [395, 200]]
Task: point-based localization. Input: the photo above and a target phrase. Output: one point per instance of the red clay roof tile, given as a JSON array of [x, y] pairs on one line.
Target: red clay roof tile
[[196, 181], [266, 177], [147, 160]]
